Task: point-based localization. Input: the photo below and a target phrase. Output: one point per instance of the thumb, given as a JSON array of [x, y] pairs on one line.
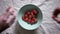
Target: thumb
[[57, 19]]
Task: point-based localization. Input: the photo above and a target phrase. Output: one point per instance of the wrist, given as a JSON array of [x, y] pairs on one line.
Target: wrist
[[3, 27]]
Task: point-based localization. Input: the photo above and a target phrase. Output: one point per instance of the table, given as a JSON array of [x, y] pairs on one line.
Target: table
[[48, 26]]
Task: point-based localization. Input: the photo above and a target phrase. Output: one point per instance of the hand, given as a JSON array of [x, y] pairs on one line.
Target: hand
[[7, 19], [55, 14]]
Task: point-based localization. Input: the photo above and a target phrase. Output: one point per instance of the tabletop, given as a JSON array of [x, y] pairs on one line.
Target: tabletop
[[48, 26]]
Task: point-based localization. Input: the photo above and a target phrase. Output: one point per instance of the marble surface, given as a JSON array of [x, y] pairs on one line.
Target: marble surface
[[48, 26]]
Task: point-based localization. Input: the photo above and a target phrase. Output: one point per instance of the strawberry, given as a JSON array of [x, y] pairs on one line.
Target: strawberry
[[30, 16], [26, 19], [23, 17], [32, 13], [35, 20], [26, 15], [35, 12], [29, 20], [28, 12], [32, 22]]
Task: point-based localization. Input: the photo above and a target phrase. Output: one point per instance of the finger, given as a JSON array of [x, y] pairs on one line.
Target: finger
[[3, 18], [11, 20], [57, 19], [53, 16], [10, 10]]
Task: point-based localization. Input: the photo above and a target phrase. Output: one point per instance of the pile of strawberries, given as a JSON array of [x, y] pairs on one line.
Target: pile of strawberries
[[30, 16]]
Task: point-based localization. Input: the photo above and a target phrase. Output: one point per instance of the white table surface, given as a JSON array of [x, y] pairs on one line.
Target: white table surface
[[48, 26]]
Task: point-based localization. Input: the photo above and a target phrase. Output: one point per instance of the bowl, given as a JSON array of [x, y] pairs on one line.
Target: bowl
[[25, 25]]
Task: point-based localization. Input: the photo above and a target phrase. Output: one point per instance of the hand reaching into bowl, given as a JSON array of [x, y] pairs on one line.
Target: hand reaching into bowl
[[7, 19], [55, 14]]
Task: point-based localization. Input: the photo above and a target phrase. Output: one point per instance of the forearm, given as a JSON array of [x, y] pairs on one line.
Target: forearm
[[3, 26]]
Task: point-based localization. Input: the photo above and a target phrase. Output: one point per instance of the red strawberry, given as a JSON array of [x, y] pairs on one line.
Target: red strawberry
[[34, 11], [26, 19], [28, 12], [32, 22], [35, 19], [33, 16], [30, 16], [23, 17], [26, 15], [29, 20]]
